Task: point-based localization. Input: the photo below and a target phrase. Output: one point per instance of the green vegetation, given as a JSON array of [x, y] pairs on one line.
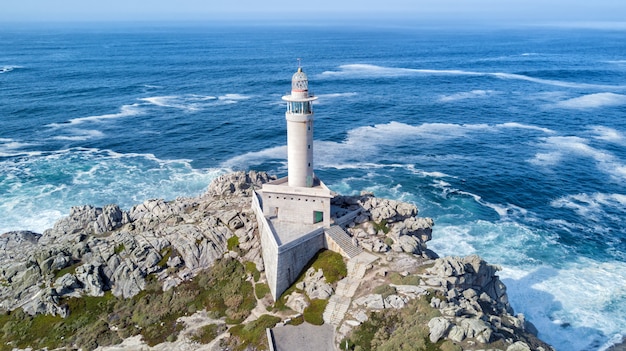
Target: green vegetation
[[261, 289], [251, 268], [389, 241], [381, 227], [106, 320], [313, 313], [405, 329], [331, 263], [232, 243], [251, 336], [207, 333], [296, 320], [398, 279], [69, 269], [385, 290], [166, 253], [119, 248]]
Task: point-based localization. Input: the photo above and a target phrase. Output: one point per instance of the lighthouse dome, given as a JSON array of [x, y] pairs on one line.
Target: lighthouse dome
[[299, 81]]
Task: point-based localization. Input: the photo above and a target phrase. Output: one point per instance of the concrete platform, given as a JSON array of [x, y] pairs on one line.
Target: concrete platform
[[289, 231], [304, 337]]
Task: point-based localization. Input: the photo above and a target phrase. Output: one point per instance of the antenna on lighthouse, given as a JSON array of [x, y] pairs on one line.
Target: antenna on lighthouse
[[299, 62]]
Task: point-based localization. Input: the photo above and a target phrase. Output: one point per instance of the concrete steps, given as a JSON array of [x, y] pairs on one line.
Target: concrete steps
[[339, 302], [343, 240]]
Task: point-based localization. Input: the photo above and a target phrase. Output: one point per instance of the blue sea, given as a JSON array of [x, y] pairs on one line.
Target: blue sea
[[513, 140]]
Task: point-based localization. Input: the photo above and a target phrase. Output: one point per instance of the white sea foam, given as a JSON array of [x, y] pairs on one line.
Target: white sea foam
[[515, 125], [190, 103], [7, 69], [474, 94], [245, 160], [80, 135], [193, 102], [594, 206], [234, 97], [34, 201], [563, 147], [351, 71], [363, 142], [125, 111], [576, 307], [608, 134], [10, 147], [593, 101]]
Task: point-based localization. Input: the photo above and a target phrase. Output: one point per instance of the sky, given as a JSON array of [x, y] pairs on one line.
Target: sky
[[480, 11]]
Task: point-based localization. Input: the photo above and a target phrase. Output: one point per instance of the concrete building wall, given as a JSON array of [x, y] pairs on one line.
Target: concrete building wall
[[284, 263], [296, 208], [269, 246], [294, 256]]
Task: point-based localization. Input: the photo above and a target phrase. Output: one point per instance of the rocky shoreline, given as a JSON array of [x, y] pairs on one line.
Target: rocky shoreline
[[97, 251]]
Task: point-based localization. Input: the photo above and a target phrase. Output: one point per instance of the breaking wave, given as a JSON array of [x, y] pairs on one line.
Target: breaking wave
[[373, 71]]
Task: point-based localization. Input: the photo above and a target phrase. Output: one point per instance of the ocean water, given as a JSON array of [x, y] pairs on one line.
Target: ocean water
[[514, 141]]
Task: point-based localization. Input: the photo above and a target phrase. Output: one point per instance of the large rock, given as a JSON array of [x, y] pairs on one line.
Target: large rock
[[371, 301], [297, 302], [439, 327], [314, 284]]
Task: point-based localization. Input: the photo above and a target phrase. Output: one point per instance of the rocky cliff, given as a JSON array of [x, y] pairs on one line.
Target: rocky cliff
[[95, 250]]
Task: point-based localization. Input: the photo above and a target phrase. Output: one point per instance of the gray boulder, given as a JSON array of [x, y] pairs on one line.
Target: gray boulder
[[439, 327]]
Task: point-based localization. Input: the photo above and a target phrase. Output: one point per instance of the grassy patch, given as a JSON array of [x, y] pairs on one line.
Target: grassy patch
[[331, 263], [296, 320], [385, 290], [166, 253], [71, 269], [232, 243], [119, 248], [389, 241], [398, 279], [313, 313], [251, 268], [405, 329], [101, 321], [381, 226], [208, 333], [251, 336], [261, 289]]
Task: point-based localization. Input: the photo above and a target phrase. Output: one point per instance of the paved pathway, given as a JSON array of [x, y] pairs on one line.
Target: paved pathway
[[304, 337]]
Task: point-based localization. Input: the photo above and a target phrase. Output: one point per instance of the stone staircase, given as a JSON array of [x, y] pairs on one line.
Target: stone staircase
[[339, 302], [343, 240]]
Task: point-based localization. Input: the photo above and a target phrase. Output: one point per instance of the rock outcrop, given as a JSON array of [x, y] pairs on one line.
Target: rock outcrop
[[381, 225], [95, 250], [472, 303]]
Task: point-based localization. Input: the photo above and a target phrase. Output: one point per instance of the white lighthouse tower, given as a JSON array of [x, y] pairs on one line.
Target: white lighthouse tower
[[299, 117], [294, 212]]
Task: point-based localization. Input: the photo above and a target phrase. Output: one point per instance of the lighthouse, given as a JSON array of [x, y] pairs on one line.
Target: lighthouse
[[293, 212], [299, 118]]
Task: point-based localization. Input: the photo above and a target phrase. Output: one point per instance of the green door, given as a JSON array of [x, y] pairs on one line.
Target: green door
[[319, 216]]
